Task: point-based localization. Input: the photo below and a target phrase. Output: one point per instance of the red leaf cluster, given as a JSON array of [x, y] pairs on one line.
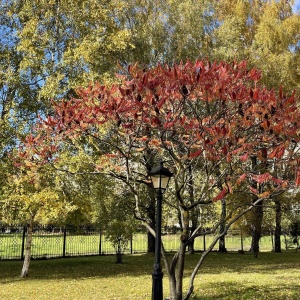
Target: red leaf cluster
[[213, 112]]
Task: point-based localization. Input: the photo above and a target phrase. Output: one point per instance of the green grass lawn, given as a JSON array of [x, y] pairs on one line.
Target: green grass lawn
[[223, 276]]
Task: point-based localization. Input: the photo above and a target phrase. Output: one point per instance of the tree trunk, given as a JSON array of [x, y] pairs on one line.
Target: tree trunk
[[191, 244], [119, 253], [119, 258], [257, 213], [27, 256], [176, 275], [277, 247], [181, 264], [176, 270], [151, 215], [255, 242], [222, 246], [151, 243], [149, 157], [176, 267], [242, 244], [194, 214], [256, 228]]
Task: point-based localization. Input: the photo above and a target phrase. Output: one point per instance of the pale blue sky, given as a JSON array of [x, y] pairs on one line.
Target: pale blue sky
[[296, 6]]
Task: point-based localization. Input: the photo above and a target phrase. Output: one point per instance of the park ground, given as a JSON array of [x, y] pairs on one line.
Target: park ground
[[223, 276]]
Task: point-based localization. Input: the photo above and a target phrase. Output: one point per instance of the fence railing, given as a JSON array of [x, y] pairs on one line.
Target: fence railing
[[61, 242], [52, 242]]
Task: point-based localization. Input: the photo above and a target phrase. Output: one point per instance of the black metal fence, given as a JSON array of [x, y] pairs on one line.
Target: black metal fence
[[52, 242]]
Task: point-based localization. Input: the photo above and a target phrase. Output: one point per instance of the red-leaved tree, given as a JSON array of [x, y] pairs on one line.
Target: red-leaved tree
[[222, 135]]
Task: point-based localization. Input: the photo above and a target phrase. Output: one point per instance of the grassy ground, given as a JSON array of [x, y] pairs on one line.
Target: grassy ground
[[223, 276]]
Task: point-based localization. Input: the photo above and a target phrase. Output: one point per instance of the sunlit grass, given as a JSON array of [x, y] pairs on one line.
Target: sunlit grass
[[223, 276], [235, 276]]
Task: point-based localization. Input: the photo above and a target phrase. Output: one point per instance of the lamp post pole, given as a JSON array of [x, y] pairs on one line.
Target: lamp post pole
[[157, 275], [160, 177]]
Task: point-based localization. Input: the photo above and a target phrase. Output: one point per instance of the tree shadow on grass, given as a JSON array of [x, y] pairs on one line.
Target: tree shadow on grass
[[142, 265], [78, 267]]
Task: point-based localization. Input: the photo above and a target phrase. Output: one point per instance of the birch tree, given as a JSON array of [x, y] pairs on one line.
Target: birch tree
[[33, 197]]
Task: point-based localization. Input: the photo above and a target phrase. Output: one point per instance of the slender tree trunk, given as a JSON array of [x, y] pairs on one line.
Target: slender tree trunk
[[194, 214], [181, 264], [152, 216], [172, 285], [222, 246], [242, 244], [27, 256], [119, 253], [272, 239], [150, 210], [191, 244], [277, 247], [151, 243], [176, 270]]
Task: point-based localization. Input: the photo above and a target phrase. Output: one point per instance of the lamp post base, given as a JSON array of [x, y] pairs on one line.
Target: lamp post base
[[157, 287]]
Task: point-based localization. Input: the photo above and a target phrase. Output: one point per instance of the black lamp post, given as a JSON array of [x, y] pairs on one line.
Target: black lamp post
[[160, 177]]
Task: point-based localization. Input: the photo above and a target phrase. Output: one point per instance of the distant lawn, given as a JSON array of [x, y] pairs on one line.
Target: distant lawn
[[223, 276]]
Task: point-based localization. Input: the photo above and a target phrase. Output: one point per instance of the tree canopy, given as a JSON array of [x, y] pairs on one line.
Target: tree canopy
[[214, 125]]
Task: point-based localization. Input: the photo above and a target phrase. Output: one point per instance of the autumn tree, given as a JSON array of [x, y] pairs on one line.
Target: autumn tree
[[33, 197], [168, 31], [263, 32], [47, 48], [207, 121], [58, 40], [266, 34]]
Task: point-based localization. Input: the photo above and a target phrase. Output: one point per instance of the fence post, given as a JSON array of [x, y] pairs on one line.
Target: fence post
[[64, 242], [242, 242], [204, 242], [100, 243], [131, 250], [23, 242]]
